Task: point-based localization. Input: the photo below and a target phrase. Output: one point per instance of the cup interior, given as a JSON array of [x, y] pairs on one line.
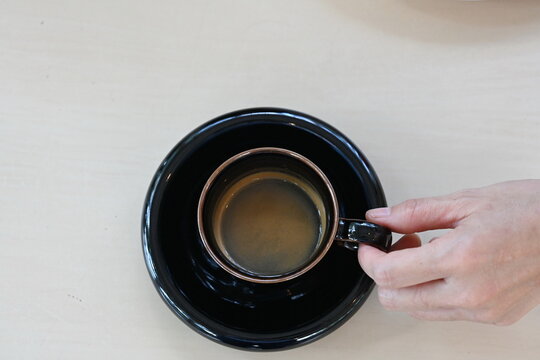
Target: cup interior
[[267, 214]]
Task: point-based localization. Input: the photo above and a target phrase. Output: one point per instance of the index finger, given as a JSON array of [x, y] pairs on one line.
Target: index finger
[[405, 267]]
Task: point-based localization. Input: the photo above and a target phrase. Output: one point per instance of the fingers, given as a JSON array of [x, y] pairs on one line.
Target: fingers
[[420, 214], [406, 242], [440, 314], [405, 267], [432, 295], [487, 315]]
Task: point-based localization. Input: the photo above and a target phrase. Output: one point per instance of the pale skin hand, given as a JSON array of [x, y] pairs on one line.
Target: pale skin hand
[[485, 269]]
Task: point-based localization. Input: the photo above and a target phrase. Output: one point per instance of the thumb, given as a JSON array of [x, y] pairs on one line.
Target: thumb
[[418, 215]]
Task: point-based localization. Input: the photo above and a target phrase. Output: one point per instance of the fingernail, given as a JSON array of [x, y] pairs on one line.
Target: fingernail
[[378, 213]]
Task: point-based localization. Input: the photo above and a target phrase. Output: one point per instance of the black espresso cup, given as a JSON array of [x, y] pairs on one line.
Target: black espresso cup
[[304, 175], [269, 215]]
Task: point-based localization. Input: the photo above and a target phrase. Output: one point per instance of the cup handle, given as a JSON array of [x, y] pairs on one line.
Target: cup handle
[[352, 232]]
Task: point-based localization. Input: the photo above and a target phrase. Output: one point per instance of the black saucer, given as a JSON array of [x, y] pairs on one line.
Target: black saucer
[[213, 302]]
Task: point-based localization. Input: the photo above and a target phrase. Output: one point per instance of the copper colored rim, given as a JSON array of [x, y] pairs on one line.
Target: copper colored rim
[[327, 242]]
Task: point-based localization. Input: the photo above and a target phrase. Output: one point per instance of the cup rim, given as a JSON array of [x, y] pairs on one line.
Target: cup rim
[[328, 239]]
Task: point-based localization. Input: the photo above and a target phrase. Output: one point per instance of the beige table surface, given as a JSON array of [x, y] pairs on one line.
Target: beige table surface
[[439, 94]]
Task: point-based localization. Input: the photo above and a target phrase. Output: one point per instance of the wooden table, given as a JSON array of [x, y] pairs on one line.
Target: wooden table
[[440, 95]]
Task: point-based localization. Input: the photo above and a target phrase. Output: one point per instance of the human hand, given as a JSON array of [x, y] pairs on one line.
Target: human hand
[[485, 269]]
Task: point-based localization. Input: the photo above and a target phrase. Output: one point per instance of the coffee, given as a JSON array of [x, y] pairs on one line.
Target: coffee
[[269, 222]]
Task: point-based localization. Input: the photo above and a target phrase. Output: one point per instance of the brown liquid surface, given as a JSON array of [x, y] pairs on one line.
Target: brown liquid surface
[[269, 223]]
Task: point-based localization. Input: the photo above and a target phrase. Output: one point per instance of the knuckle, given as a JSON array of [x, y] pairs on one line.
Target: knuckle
[[386, 300], [420, 299], [486, 206], [412, 207], [472, 300], [465, 194], [464, 202], [473, 200], [468, 254], [477, 300], [442, 259], [466, 257], [489, 316], [450, 262], [383, 276]]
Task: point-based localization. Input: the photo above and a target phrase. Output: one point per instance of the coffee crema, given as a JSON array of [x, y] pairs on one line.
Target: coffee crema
[[269, 223]]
